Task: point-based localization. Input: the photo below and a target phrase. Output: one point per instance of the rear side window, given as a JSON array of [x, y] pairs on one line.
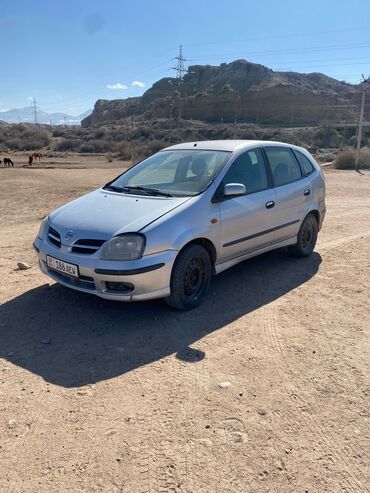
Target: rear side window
[[248, 169], [284, 167], [305, 163]]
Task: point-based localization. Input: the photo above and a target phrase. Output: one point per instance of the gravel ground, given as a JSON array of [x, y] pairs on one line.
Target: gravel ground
[[103, 396]]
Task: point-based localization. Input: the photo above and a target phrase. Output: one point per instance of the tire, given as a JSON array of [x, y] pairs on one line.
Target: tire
[[306, 238], [190, 278]]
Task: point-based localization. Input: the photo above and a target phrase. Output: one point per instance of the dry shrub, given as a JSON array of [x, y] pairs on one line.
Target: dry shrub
[[24, 137], [138, 150], [327, 137], [125, 150], [96, 146], [150, 147], [346, 159], [64, 145]]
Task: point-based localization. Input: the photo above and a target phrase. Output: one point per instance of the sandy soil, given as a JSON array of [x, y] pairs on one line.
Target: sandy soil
[[65, 160], [102, 396]]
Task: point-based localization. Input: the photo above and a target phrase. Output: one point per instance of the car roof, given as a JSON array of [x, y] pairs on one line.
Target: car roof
[[223, 145]]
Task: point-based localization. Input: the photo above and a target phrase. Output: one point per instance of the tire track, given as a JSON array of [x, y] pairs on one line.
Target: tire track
[[313, 424], [165, 459], [325, 246], [297, 423]]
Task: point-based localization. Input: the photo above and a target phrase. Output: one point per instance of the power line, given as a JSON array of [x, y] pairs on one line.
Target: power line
[[310, 34], [313, 49]]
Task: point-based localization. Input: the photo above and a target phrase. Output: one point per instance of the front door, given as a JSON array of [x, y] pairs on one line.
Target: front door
[[248, 221]]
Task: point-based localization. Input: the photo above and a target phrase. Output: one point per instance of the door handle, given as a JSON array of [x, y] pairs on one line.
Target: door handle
[[307, 191], [270, 204]]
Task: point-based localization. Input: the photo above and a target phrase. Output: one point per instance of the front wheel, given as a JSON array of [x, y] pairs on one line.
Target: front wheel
[[190, 279], [306, 238]]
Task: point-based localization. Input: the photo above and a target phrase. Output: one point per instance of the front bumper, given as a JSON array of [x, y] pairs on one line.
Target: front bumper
[[149, 275]]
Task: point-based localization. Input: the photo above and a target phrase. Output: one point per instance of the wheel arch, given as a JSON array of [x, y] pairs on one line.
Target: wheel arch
[[316, 213], [205, 243]]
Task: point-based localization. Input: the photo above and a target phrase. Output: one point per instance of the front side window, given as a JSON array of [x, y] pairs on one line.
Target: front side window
[[248, 169], [305, 163], [179, 173], [284, 167]]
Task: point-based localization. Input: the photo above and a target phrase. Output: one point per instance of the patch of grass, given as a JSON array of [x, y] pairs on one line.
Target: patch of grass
[[346, 159]]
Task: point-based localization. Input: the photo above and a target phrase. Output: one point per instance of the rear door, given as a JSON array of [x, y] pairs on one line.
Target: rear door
[[247, 222], [292, 190]]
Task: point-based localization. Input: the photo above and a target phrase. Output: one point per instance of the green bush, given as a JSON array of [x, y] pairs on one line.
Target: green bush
[[346, 159]]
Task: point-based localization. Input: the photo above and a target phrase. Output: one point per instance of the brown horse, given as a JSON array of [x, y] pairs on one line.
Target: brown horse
[[37, 155]]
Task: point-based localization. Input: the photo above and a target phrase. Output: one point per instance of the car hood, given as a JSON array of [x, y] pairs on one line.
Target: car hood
[[104, 214]]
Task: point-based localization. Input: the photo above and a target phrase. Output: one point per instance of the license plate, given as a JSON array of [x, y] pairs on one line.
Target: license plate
[[61, 266]]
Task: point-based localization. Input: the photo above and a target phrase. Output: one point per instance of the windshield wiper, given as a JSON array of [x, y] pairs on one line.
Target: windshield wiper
[[113, 188], [148, 191], [144, 190]]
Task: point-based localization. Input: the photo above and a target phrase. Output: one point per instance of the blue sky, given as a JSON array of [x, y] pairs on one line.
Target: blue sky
[[66, 53]]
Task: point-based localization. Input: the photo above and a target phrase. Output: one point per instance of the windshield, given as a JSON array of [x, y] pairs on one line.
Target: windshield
[[177, 173]]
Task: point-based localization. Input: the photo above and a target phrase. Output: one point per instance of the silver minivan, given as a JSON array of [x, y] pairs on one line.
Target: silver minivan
[[163, 227]]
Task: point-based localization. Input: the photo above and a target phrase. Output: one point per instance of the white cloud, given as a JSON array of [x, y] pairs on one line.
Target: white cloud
[[30, 98], [2, 110], [117, 85], [137, 83]]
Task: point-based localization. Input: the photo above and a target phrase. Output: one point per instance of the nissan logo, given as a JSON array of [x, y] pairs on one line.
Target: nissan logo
[[68, 234]]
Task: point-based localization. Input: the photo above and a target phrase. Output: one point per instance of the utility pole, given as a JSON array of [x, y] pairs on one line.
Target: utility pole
[[359, 135], [180, 66], [235, 130], [170, 123], [65, 122], [34, 108], [180, 72]]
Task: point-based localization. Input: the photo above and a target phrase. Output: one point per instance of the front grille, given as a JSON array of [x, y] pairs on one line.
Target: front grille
[[54, 237], [84, 246], [87, 247]]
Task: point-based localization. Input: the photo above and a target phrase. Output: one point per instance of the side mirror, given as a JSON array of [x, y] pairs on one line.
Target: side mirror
[[234, 190]]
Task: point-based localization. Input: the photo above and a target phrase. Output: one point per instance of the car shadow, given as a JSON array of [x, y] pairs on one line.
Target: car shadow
[[73, 339]]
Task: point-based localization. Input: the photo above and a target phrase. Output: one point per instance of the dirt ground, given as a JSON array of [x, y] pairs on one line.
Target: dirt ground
[[100, 396]]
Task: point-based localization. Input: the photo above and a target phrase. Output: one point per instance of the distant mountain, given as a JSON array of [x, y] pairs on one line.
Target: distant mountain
[[241, 91], [25, 115], [85, 114]]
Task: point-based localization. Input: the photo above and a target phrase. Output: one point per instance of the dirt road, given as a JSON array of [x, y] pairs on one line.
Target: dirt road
[[101, 396]]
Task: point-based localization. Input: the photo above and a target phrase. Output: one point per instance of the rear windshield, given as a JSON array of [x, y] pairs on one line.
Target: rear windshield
[[178, 173]]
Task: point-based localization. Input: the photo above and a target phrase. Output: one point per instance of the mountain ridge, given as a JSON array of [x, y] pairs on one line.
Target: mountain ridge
[[25, 115], [242, 91]]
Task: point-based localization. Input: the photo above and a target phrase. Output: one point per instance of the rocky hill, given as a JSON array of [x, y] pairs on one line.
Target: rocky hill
[[242, 91]]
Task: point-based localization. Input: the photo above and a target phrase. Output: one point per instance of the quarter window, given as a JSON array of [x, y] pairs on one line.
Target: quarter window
[[305, 163], [285, 168], [248, 169]]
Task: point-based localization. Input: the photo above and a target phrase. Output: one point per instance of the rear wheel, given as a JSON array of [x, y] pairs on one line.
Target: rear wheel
[[190, 279], [306, 238]]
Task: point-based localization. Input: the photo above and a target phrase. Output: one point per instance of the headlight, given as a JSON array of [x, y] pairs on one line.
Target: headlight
[[124, 247], [43, 227]]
